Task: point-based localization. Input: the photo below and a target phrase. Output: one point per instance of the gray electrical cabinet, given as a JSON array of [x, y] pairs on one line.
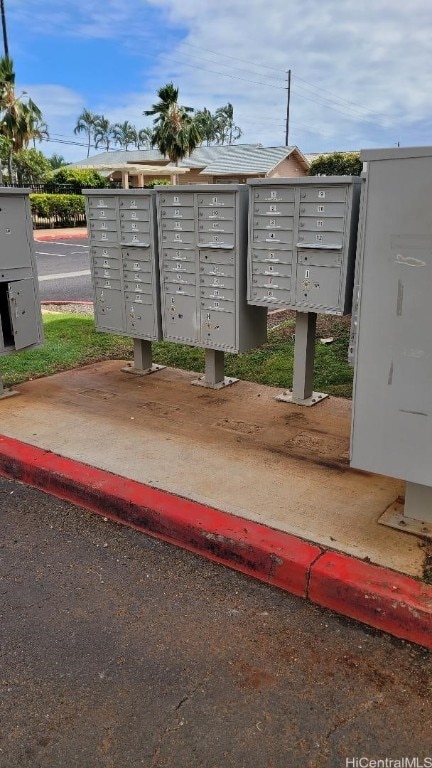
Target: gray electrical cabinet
[[20, 311], [203, 247], [302, 242], [392, 338], [124, 261]]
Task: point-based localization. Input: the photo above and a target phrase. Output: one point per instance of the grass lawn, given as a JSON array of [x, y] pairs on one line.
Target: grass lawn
[[71, 341]]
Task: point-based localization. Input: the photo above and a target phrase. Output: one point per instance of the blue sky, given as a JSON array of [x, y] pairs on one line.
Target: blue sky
[[361, 71]]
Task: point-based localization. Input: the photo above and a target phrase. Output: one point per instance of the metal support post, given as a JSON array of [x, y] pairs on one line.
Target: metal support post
[[214, 371], [415, 516], [142, 364], [304, 356]]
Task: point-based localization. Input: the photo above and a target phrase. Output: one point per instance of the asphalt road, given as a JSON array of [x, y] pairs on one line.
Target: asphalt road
[[64, 270], [119, 651]]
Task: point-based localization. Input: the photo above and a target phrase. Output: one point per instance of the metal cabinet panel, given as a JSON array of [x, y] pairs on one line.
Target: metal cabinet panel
[[315, 239], [132, 214], [271, 257], [107, 272], [322, 209], [102, 214], [271, 281], [184, 212], [275, 238], [102, 225], [318, 286], [274, 194], [274, 296], [323, 194], [217, 256], [216, 214], [273, 210], [320, 258], [213, 227], [319, 232], [209, 303], [204, 263], [216, 200], [218, 328], [178, 225], [181, 318], [392, 401], [323, 224], [140, 320], [109, 309], [102, 202], [134, 203], [125, 270], [23, 313], [279, 270], [99, 237], [273, 222]]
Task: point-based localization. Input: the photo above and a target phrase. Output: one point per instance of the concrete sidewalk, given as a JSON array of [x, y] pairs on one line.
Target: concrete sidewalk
[[253, 483]]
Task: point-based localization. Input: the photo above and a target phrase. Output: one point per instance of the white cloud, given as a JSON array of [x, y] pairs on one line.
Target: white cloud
[[361, 72]]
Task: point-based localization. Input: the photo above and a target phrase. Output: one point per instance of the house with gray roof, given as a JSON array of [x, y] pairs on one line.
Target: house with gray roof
[[234, 163]]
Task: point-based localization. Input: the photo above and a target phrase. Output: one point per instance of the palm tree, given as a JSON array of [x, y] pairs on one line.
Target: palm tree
[[144, 138], [175, 133], [39, 131], [125, 134], [56, 161], [18, 118], [227, 130], [103, 132], [86, 124], [207, 125]]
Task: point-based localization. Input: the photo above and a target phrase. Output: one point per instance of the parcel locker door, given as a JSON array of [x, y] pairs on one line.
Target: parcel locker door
[[24, 314]]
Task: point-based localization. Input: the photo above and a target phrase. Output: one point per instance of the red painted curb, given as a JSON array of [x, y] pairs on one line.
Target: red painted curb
[[373, 595], [271, 556], [376, 596], [59, 236]]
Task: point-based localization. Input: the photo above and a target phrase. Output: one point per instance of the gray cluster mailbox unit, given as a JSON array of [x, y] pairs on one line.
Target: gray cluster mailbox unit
[[392, 338], [125, 268], [302, 244], [20, 311], [203, 261]]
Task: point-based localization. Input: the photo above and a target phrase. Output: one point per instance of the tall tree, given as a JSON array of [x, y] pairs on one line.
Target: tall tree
[[56, 161], [176, 133], [144, 138], [39, 130], [103, 132], [228, 132], [207, 125], [86, 124], [18, 118], [125, 134]]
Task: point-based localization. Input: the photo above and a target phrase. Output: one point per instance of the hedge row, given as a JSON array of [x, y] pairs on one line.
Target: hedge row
[[66, 209]]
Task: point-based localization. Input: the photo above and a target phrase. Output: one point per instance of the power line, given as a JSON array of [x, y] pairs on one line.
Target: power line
[[337, 98], [235, 58], [221, 63], [224, 74]]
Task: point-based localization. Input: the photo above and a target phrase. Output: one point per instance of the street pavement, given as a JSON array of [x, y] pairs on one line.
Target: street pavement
[[64, 270], [121, 651]]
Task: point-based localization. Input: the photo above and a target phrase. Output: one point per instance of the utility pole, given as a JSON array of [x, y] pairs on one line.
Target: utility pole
[[3, 19], [288, 105]]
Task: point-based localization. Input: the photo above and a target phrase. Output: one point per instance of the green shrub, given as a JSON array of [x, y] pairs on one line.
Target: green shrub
[[337, 164], [76, 179], [64, 209], [157, 182]]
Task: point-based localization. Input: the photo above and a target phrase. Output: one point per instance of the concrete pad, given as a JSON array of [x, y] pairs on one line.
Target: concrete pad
[[237, 450]]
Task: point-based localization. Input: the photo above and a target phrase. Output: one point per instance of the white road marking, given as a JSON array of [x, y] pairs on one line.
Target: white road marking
[[81, 273], [70, 245], [48, 253]]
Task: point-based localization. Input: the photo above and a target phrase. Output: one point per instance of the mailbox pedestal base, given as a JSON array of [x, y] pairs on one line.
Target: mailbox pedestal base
[[304, 358], [214, 371], [142, 365], [415, 516]]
